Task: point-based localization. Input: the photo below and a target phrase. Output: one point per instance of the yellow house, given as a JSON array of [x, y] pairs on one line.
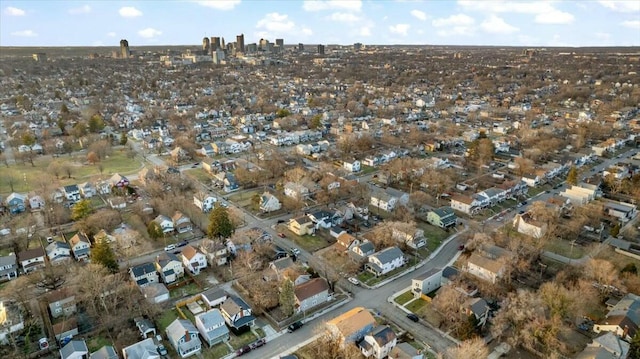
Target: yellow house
[[301, 226]]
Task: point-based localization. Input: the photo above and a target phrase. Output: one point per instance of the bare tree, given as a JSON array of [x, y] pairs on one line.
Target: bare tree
[[472, 348]]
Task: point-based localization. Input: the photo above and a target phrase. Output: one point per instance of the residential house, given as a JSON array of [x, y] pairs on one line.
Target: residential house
[[488, 263], [405, 351], [311, 293], [322, 219], [145, 327], [296, 190], [464, 204], [178, 154], [71, 193], [183, 336], [383, 200], [144, 274], [165, 223], [427, 282], [87, 189], [8, 267], [607, 346], [269, 203], [352, 326], [442, 217], [237, 314], [193, 260], [62, 302], [11, 320], [301, 226], [66, 329], [477, 307], [623, 319], [279, 266], [58, 251], [379, 343], [212, 327], [16, 203], [449, 274], [36, 202], [362, 250], [204, 202], [525, 223], [351, 165], [385, 261], [211, 166], [624, 212], [103, 187], [345, 241], [80, 246], [117, 202], [75, 349], [31, 259], [144, 349], [181, 223], [217, 253], [106, 352], [169, 267], [230, 184], [118, 181], [214, 297], [579, 195], [410, 235]]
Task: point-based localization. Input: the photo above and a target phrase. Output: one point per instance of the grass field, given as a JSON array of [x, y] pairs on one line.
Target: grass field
[[238, 341], [26, 177], [404, 297], [563, 248], [216, 352], [166, 318]]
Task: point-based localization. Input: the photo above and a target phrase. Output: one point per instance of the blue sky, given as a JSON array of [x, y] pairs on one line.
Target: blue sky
[[474, 22]]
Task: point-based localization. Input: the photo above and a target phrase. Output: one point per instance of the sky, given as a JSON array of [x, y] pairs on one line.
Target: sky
[[379, 22]]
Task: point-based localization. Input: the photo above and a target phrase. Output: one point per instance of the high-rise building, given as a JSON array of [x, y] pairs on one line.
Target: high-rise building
[[321, 49], [252, 48], [240, 43], [300, 47], [124, 49], [263, 44], [217, 56], [222, 44], [206, 46], [215, 43], [280, 42]]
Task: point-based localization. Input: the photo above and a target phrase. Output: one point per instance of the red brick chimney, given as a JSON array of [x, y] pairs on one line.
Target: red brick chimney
[[187, 336]]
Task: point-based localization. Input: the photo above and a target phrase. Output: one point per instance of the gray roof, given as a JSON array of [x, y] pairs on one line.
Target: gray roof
[[443, 211], [178, 327], [367, 247], [143, 269], [428, 273], [7, 260], [449, 272], [388, 254], [144, 325], [383, 335], [213, 318], [214, 294], [106, 352], [74, 346], [165, 258], [145, 349]]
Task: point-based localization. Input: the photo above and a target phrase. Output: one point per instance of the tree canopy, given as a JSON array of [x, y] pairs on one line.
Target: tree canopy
[[102, 254], [81, 210], [220, 224]]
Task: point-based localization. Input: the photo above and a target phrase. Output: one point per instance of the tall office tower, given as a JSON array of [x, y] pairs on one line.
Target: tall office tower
[[206, 46], [217, 56], [215, 43], [222, 44], [252, 48], [263, 44], [280, 42], [240, 43], [124, 49], [321, 49], [300, 47]]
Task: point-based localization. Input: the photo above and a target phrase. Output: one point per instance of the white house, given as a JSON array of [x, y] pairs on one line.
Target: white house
[[205, 203], [80, 246], [87, 189], [165, 223], [487, 263], [426, 282], [269, 202], [385, 261], [296, 190], [169, 267], [311, 293], [378, 343], [183, 336], [193, 260], [145, 349], [352, 165], [526, 224]]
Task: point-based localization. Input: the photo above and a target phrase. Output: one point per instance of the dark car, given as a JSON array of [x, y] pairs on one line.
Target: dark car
[[243, 350], [295, 326], [182, 244], [280, 221], [413, 317], [258, 343], [461, 247]]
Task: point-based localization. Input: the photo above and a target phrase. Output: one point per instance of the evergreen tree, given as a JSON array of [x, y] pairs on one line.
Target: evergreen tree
[[634, 348], [154, 230], [102, 254], [123, 139], [81, 210], [220, 225], [287, 298], [572, 176]]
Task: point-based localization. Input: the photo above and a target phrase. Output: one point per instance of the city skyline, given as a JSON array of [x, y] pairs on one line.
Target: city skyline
[[405, 22]]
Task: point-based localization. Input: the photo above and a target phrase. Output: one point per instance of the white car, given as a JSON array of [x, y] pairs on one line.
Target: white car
[[170, 247], [354, 281], [295, 251]]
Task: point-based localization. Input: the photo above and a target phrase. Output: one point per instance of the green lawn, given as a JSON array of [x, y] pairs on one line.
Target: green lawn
[[26, 177], [563, 248], [260, 332], [97, 342], [199, 175], [404, 297], [166, 318], [216, 352], [238, 341], [365, 170], [416, 305], [189, 289], [307, 242]]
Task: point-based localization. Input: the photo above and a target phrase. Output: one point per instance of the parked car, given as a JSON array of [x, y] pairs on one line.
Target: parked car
[[243, 350], [282, 235], [295, 326], [280, 221], [170, 247], [461, 247], [354, 281], [295, 251], [413, 317], [258, 343], [162, 350], [182, 244]]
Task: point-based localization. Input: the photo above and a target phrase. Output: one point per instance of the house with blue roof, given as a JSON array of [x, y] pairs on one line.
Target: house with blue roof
[[16, 203], [144, 274], [237, 314], [212, 327], [58, 251]]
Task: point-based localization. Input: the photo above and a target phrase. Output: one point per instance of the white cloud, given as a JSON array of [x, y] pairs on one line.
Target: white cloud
[[111, 34], [276, 23], [400, 29], [496, 25], [14, 11], [453, 20], [321, 5], [223, 5], [420, 15], [149, 33], [24, 33], [632, 24], [343, 17], [129, 11], [85, 9], [307, 31], [554, 17], [603, 36], [364, 31], [544, 11], [621, 6]]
